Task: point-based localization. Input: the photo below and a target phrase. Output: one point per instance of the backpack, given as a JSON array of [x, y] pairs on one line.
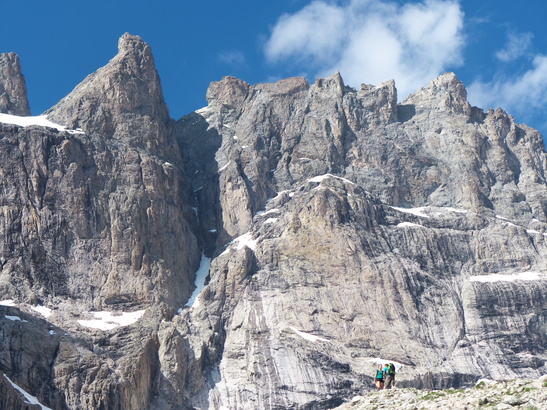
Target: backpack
[[391, 369]]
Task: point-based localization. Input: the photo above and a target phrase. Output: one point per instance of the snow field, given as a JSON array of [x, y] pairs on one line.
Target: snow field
[[379, 360], [496, 277], [109, 320], [28, 397], [201, 276], [40, 120], [307, 336]]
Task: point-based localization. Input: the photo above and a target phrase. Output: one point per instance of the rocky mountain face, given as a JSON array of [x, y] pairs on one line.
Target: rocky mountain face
[[342, 228], [13, 89]]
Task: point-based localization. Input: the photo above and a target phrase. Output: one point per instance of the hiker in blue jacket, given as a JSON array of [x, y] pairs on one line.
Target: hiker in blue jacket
[[389, 373]]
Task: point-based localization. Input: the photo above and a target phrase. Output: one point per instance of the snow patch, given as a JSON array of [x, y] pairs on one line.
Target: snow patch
[[7, 302], [15, 318], [507, 221], [51, 332], [408, 224], [307, 336], [201, 276], [40, 120], [243, 240], [378, 360], [28, 397], [508, 278], [531, 231], [321, 178], [224, 167], [109, 320], [203, 110], [270, 221], [44, 311], [246, 240], [271, 211], [460, 211], [414, 211]]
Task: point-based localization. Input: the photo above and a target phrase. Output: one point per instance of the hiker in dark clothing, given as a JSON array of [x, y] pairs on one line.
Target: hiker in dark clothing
[[389, 372], [379, 379]]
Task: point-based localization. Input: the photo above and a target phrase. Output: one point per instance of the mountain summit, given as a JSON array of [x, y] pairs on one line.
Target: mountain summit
[[120, 98], [13, 89], [321, 229]]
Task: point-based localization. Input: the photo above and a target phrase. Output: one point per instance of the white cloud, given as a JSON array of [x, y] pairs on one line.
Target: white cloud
[[521, 95], [312, 34], [233, 58], [517, 46], [371, 41]]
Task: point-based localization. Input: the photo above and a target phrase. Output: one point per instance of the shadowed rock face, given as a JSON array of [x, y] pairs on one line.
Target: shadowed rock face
[[343, 227], [13, 89]]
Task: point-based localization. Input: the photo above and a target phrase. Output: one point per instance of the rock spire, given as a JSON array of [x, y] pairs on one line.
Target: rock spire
[[123, 98], [13, 89]]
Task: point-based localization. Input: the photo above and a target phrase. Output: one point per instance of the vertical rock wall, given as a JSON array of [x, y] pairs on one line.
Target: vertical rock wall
[[344, 228]]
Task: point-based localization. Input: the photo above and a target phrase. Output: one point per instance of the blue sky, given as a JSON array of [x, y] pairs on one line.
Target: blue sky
[[497, 48]]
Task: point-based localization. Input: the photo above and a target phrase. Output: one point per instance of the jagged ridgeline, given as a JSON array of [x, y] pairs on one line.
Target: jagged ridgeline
[[335, 228]]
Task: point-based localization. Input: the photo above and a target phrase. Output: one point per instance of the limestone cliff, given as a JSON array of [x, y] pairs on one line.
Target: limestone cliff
[[103, 215], [364, 228], [13, 88], [342, 227], [94, 219]]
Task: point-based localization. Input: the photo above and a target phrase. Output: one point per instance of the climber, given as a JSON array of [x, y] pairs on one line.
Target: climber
[[379, 379], [389, 372]]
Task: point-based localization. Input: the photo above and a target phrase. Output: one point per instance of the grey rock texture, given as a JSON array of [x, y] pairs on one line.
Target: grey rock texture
[[122, 99], [433, 149], [350, 272], [332, 257], [343, 228], [10, 398], [102, 219], [70, 368], [95, 220], [13, 89]]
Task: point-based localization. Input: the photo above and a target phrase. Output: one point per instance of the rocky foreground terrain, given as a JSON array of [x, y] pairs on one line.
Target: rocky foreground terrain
[[266, 250], [487, 394]]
